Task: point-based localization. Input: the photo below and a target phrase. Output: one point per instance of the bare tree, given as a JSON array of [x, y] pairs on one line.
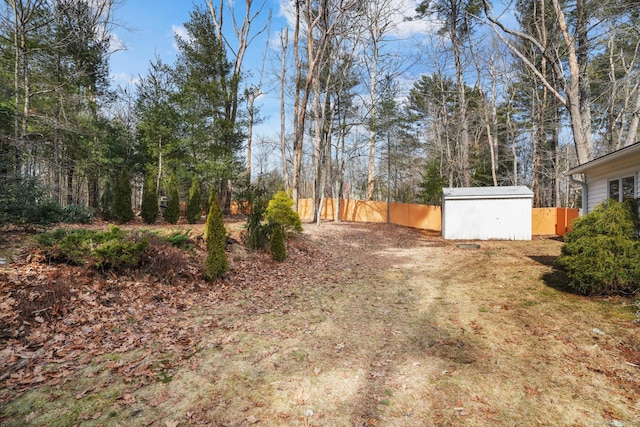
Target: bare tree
[[318, 21], [284, 45], [572, 89]]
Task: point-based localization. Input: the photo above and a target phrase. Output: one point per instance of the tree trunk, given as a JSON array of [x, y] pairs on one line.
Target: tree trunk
[[373, 83], [284, 38]]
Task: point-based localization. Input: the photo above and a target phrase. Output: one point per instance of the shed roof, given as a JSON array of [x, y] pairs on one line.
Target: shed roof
[[606, 159], [511, 192]]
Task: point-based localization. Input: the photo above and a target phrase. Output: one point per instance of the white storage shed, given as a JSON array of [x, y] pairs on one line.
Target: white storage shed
[[483, 213]]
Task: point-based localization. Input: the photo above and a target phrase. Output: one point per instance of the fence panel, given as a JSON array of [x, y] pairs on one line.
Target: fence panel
[[544, 221]]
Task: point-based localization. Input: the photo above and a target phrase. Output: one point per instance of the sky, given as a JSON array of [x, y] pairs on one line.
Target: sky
[[146, 28]]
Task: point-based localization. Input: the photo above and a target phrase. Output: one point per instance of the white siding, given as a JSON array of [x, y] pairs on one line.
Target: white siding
[[598, 179]]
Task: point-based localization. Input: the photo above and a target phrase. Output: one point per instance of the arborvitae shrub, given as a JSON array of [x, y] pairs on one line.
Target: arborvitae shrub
[[172, 211], [601, 254], [122, 210], [194, 206], [280, 211], [277, 245], [149, 209], [216, 236]]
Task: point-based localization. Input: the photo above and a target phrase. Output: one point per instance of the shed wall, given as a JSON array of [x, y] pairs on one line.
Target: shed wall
[[484, 219]]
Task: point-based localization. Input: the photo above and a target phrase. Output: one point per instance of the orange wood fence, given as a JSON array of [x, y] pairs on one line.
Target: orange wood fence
[[544, 221]]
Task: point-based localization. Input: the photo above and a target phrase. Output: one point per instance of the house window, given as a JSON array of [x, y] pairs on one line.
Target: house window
[[622, 189]]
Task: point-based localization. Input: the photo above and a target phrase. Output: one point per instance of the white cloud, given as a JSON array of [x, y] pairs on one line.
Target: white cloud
[[115, 43], [124, 79], [180, 31]]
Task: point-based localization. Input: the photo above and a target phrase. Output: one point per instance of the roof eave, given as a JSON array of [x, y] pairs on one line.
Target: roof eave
[[604, 159]]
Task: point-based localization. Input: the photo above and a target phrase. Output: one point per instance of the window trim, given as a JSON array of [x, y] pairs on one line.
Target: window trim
[[620, 181]]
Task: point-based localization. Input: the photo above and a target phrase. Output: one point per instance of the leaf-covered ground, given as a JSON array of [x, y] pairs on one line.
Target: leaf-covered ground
[[362, 325]]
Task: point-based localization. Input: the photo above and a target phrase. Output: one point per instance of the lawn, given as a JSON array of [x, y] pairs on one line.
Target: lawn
[[362, 325]]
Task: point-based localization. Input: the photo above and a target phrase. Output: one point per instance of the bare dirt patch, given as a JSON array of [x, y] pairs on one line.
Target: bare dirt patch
[[362, 325]]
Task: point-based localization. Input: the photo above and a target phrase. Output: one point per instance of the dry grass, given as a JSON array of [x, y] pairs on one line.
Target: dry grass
[[396, 328]]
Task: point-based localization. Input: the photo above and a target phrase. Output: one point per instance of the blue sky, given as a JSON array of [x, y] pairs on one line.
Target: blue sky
[[146, 28]]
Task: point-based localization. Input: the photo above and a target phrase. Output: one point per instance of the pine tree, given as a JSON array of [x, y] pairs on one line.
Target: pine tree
[[216, 264], [194, 207], [122, 210], [172, 211], [149, 210]]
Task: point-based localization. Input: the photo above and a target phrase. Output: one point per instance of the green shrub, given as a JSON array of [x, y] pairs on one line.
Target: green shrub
[[68, 246], [601, 254], [149, 208], [179, 239], [77, 246], [216, 264], [23, 203], [280, 211], [77, 214], [194, 206], [258, 232], [117, 253], [172, 211], [121, 208], [277, 244]]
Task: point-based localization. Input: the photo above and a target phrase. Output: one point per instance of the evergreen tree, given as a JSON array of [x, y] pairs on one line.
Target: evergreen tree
[[106, 202], [149, 211], [194, 207], [276, 244], [122, 210], [203, 78], [280, 211], [172, 211], [216, 235]]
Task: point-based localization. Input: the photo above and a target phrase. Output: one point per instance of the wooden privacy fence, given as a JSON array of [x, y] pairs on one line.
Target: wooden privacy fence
[[544, 221]]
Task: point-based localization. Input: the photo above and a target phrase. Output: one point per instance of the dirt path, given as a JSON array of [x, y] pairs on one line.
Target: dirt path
[[371, 325]]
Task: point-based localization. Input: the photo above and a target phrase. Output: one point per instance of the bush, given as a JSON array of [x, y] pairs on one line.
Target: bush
[[258, 232], [601, 254], [280, 211], [122, 210], [172, 211], [77, 214], [116, 253], [179, 239], [113, 248], [277, 245], [24, 203], [216, 236], [149, 208], [194, 207]]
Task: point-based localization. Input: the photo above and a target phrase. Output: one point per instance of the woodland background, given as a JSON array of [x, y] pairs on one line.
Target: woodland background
[[512, 93]]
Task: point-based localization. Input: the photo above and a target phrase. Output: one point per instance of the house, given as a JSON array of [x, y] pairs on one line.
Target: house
[[614, 175], [483, 213]]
